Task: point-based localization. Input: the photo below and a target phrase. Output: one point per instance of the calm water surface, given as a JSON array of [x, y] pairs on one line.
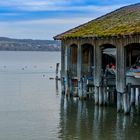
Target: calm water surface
[[32, 108]]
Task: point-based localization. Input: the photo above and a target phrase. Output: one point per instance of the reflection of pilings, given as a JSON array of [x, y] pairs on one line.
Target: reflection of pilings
[[79, 112], [62, 100], [119, 126], [122, 124], [96, 121]]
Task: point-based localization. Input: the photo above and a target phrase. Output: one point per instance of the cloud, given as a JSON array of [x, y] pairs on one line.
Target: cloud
[[43, 19], [45, 22], [33, 9], [51, 5], [70, 8], [39, 29]]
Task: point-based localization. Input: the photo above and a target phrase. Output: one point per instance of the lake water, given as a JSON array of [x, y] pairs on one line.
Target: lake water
[[32, 108]]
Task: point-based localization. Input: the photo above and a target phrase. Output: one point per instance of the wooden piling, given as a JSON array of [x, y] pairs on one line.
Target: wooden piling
[[79, 61], [96, 95], [105, 99], [121, 80], [84, 87], [137, 97], [62, 67], [132, 96], [80, 89], [62, 85], [57, 70], [97, 72], [126, 103], [119, 104], [100, 96], [66, 71]]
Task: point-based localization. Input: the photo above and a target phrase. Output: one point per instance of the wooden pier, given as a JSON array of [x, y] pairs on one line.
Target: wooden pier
[[104, 67]]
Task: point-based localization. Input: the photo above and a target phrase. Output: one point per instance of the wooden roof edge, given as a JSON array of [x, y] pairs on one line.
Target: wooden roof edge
[[99, 37]]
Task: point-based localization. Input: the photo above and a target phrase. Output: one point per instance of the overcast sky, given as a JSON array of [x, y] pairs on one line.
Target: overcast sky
[[43, 19]]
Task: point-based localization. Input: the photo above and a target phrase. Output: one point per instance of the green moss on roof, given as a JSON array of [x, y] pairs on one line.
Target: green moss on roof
[[120, 22]]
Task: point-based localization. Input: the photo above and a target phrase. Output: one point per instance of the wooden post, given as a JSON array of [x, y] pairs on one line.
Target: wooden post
[[132, 96], [97, 72], [84, 81], [105, 99], [96, 95], [121, 79], [79, 60], [57, 70], [70, 87], [56, 87], [126, 103], [66, 71], [62, 66], [119, 104], [137, 97], [105, 93], [100, 95]]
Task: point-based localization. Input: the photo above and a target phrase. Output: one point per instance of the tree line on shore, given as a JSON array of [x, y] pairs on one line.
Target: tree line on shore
[[9, 44]]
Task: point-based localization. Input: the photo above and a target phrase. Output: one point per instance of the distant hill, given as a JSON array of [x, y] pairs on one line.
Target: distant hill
[[10, 44]]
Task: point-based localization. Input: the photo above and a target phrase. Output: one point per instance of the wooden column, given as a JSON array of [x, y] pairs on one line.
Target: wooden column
[[100, 95], [105, 94], [120, 76], [66, 71], [137, 97], [79, 61], [62, 66], [97, 73], [62, 59], [121, 80], [84, 87], [132, 97]]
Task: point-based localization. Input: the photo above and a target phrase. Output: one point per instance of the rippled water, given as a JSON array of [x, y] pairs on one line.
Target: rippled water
[[32, 108]]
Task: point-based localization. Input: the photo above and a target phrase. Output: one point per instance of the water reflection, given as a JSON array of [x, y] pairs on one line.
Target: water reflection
[[81, 120]]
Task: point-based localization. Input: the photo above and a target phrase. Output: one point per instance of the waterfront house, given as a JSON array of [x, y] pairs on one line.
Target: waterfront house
[[105, 53]]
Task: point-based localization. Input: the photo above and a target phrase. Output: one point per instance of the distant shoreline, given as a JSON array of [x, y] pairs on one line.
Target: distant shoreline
[[32, 50], [8, 44]]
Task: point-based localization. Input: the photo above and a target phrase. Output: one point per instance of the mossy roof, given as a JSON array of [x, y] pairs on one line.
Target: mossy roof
[[123, 21]]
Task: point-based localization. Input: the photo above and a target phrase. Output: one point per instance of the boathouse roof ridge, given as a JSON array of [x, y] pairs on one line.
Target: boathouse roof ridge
[[121, 22]]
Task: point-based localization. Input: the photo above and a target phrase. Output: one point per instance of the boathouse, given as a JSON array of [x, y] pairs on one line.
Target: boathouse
[[102, 56]]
